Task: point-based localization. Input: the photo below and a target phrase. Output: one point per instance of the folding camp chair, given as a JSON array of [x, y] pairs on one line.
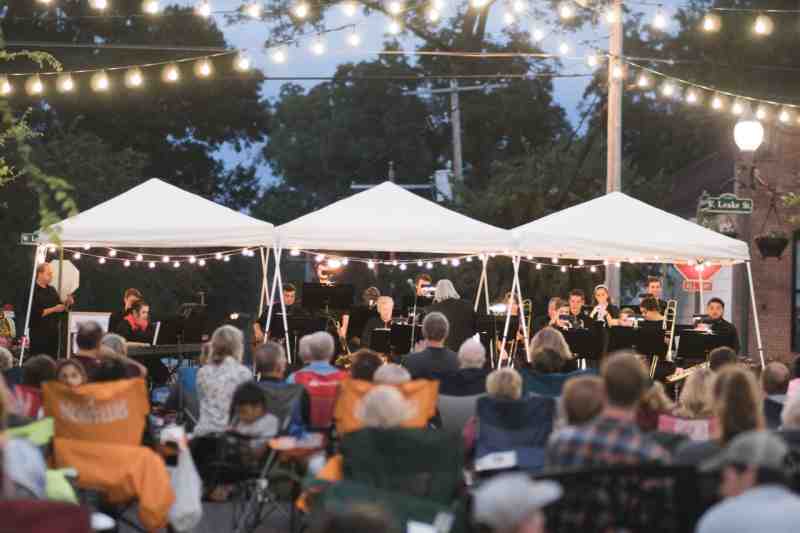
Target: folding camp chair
[[455, 411], [416, 474], [39, 516]]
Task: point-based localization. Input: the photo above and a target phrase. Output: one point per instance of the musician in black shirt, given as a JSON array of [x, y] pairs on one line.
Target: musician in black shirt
[[130, 297], [382, 321], [47, 310], [354, 320], [577, 299], [459, 314], [655, 290], [719, 326], [292, 308]]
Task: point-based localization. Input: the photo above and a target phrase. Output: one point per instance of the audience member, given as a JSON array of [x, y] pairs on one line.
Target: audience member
[[794, 384], [551, 339], [470, 379], [790, 422], [435, 361], [249, 417], [88, 339], [612, 437], [28, 395], [391, 374], [695, 400], [111, 368], [775, 384], [6, 359], [70, 372], [270, 362], [653, 404], [738, 408], [115, 343], [721, 357], [217, 380], [753, 485], [512, 503], [318, 349], [582, 399], [361, 518], [364, 364], [319, 378], [21, 463], [503, 384], [384, 407], [547, 361]]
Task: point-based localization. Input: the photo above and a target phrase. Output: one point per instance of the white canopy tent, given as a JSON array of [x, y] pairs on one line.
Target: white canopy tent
[[389, 218], [170, 218], [616, 227]]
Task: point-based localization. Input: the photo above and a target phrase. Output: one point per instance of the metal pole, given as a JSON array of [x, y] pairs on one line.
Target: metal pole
[[27, 330], [509, 305], [455, 121], [523, 321], [614, 133], [60, 288], [264, 251], [755, 315], [283, 304], [480, 285]]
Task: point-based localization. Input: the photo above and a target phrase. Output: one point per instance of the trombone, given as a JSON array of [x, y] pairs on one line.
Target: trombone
[[670, 319]]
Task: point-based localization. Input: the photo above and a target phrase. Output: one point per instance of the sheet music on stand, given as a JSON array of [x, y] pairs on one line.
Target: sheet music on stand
[[584, 343], [400, 338], [380, 340], [693, 344]]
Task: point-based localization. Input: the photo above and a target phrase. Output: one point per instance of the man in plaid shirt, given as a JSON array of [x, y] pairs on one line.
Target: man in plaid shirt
[[612, 438]]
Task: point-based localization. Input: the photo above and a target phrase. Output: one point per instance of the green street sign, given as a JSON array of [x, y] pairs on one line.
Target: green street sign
[[28, 238], [726, 203]]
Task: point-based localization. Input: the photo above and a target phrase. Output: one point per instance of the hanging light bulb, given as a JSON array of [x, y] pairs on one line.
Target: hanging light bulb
[[712, 22], [668, 89], [134, 78], [102, 260], [563, 269], [738, 107], [394, 262], [226, 259], [218, 256], [127, 263], [394, 7], [565, 10], [279, 55], [354, 39], [643, 81], [334, 263], [592, 60], [403, 266], [433, 15], [660, 20], [34, 86], [762, 112], [468, 259], [192, 259], [785, 115], [65, 83], [611, 15], [592, 269], [618, 72], [692, 96], [345, 261], [318, 46], [429, 265], [371, 264], [98, 4], [165, 259], [176, 264], [87, 246], [509, 18], [538, 266], [394, 27], [536, 35], [242, 62], [253, 10], [171, 73], [150, 7], [151, 264], [319, 258], [139, 257], [563, 48], [456, 262], [76, 255], [554, 260], [301, 10], [717, 102], [581, 262], [5, 86], [763, 25], [203, 68], [100, 81], [349, 8], [201, 262], [112, 253], [203, 9]]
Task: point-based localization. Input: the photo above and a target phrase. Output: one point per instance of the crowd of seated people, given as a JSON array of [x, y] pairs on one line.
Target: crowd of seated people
[[617, 417]]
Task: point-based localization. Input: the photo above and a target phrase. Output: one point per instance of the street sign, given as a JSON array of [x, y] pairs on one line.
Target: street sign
[[726, 203], [693, 285], [28, 238], [691, 272]]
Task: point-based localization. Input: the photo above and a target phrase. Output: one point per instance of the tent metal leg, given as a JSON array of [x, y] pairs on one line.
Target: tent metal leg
[[755, 314], [264, 251], [480, 284], [27, 331], [509, 305], [278, 252], [523, 321], [270, 307]]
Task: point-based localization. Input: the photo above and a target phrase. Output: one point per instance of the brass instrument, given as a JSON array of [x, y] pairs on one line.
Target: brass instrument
[[677, 377], [670, 319]]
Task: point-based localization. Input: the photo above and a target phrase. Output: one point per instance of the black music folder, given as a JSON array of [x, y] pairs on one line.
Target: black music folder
[[380, 340], [584, 343]]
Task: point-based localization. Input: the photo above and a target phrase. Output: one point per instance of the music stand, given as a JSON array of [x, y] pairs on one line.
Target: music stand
[[650, 339], [621, 338], [317, 296], [696, 344], [400, 338], [380, 340], [582, 343]]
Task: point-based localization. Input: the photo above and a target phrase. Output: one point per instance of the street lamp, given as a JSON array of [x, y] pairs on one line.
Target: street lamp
[[748, 134]]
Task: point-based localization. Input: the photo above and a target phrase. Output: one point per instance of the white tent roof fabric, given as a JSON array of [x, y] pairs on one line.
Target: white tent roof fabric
[[388, 218], [620, 228], [156, 214]]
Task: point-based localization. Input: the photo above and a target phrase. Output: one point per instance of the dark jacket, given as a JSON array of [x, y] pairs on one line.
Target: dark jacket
[[431, 363], [465, 382], [461, 317]]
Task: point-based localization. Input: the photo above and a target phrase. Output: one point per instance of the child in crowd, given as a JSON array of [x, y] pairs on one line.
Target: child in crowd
[[28, 395], [249, 417], [70, 372]]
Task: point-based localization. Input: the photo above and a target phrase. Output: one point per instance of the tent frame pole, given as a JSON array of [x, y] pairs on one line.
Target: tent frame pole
[[27, 330], [480, 284], [760, 346], [508, 316], [264, 251], [523, 321], [278, 251], [270, 301]]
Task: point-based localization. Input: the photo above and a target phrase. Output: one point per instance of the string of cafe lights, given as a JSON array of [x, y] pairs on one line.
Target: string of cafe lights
[[128, 258]]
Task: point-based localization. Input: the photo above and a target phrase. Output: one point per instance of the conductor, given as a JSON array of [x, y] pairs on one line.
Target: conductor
[[459, 314]]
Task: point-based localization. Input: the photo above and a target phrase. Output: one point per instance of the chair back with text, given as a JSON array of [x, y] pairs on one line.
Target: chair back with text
[[112, 412], [700, 429], [322, 390], [422, 393], [514, 428]]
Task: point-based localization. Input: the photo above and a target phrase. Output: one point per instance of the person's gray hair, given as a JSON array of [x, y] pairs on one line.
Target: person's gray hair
[[445, 291], [384, 407], [116, 343], [551, 339], [391, 374], [226, 341], [269, 357], [790, 415], [6, 359], [435, 327], [318, 346], [506, 501], [471, 354]]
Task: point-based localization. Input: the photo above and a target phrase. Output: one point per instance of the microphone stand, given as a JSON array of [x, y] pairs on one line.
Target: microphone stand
[[414, 319]]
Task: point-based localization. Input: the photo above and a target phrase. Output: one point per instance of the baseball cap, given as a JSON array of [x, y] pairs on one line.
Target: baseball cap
[[752, 448], [503, 502]]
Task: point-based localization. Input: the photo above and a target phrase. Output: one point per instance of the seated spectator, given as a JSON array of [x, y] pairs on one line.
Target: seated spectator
[[11, 373], [653, 404], [753, 485], [384, 407], [365, 363], [91, 351], [362, 518], [721, 357], [546, 361], [738, 408], [319, 377], [512, 503], [28, 395], [470, 379], [435, 361], [501, 384], [774, 384], [550, 338], [217, 381], [612, 437], [790, 422], [71, 372], [582, 400], [116, 343], [20, 461], [249, 417], [794, 384], [270, 362], [6, 359], [695, 400], [391, 374], [111, 368]]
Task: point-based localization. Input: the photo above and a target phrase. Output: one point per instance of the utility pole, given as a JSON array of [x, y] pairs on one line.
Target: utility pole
[[614, 132], [455, 116]]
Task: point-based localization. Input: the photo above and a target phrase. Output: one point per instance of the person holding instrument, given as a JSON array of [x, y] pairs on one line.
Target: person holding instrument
[[130, 297], [604, 311], [382, 321], [292, 308], [655, 290], [353, 321], [651, 310], [716, 324], [47, 310], [577, 316]]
